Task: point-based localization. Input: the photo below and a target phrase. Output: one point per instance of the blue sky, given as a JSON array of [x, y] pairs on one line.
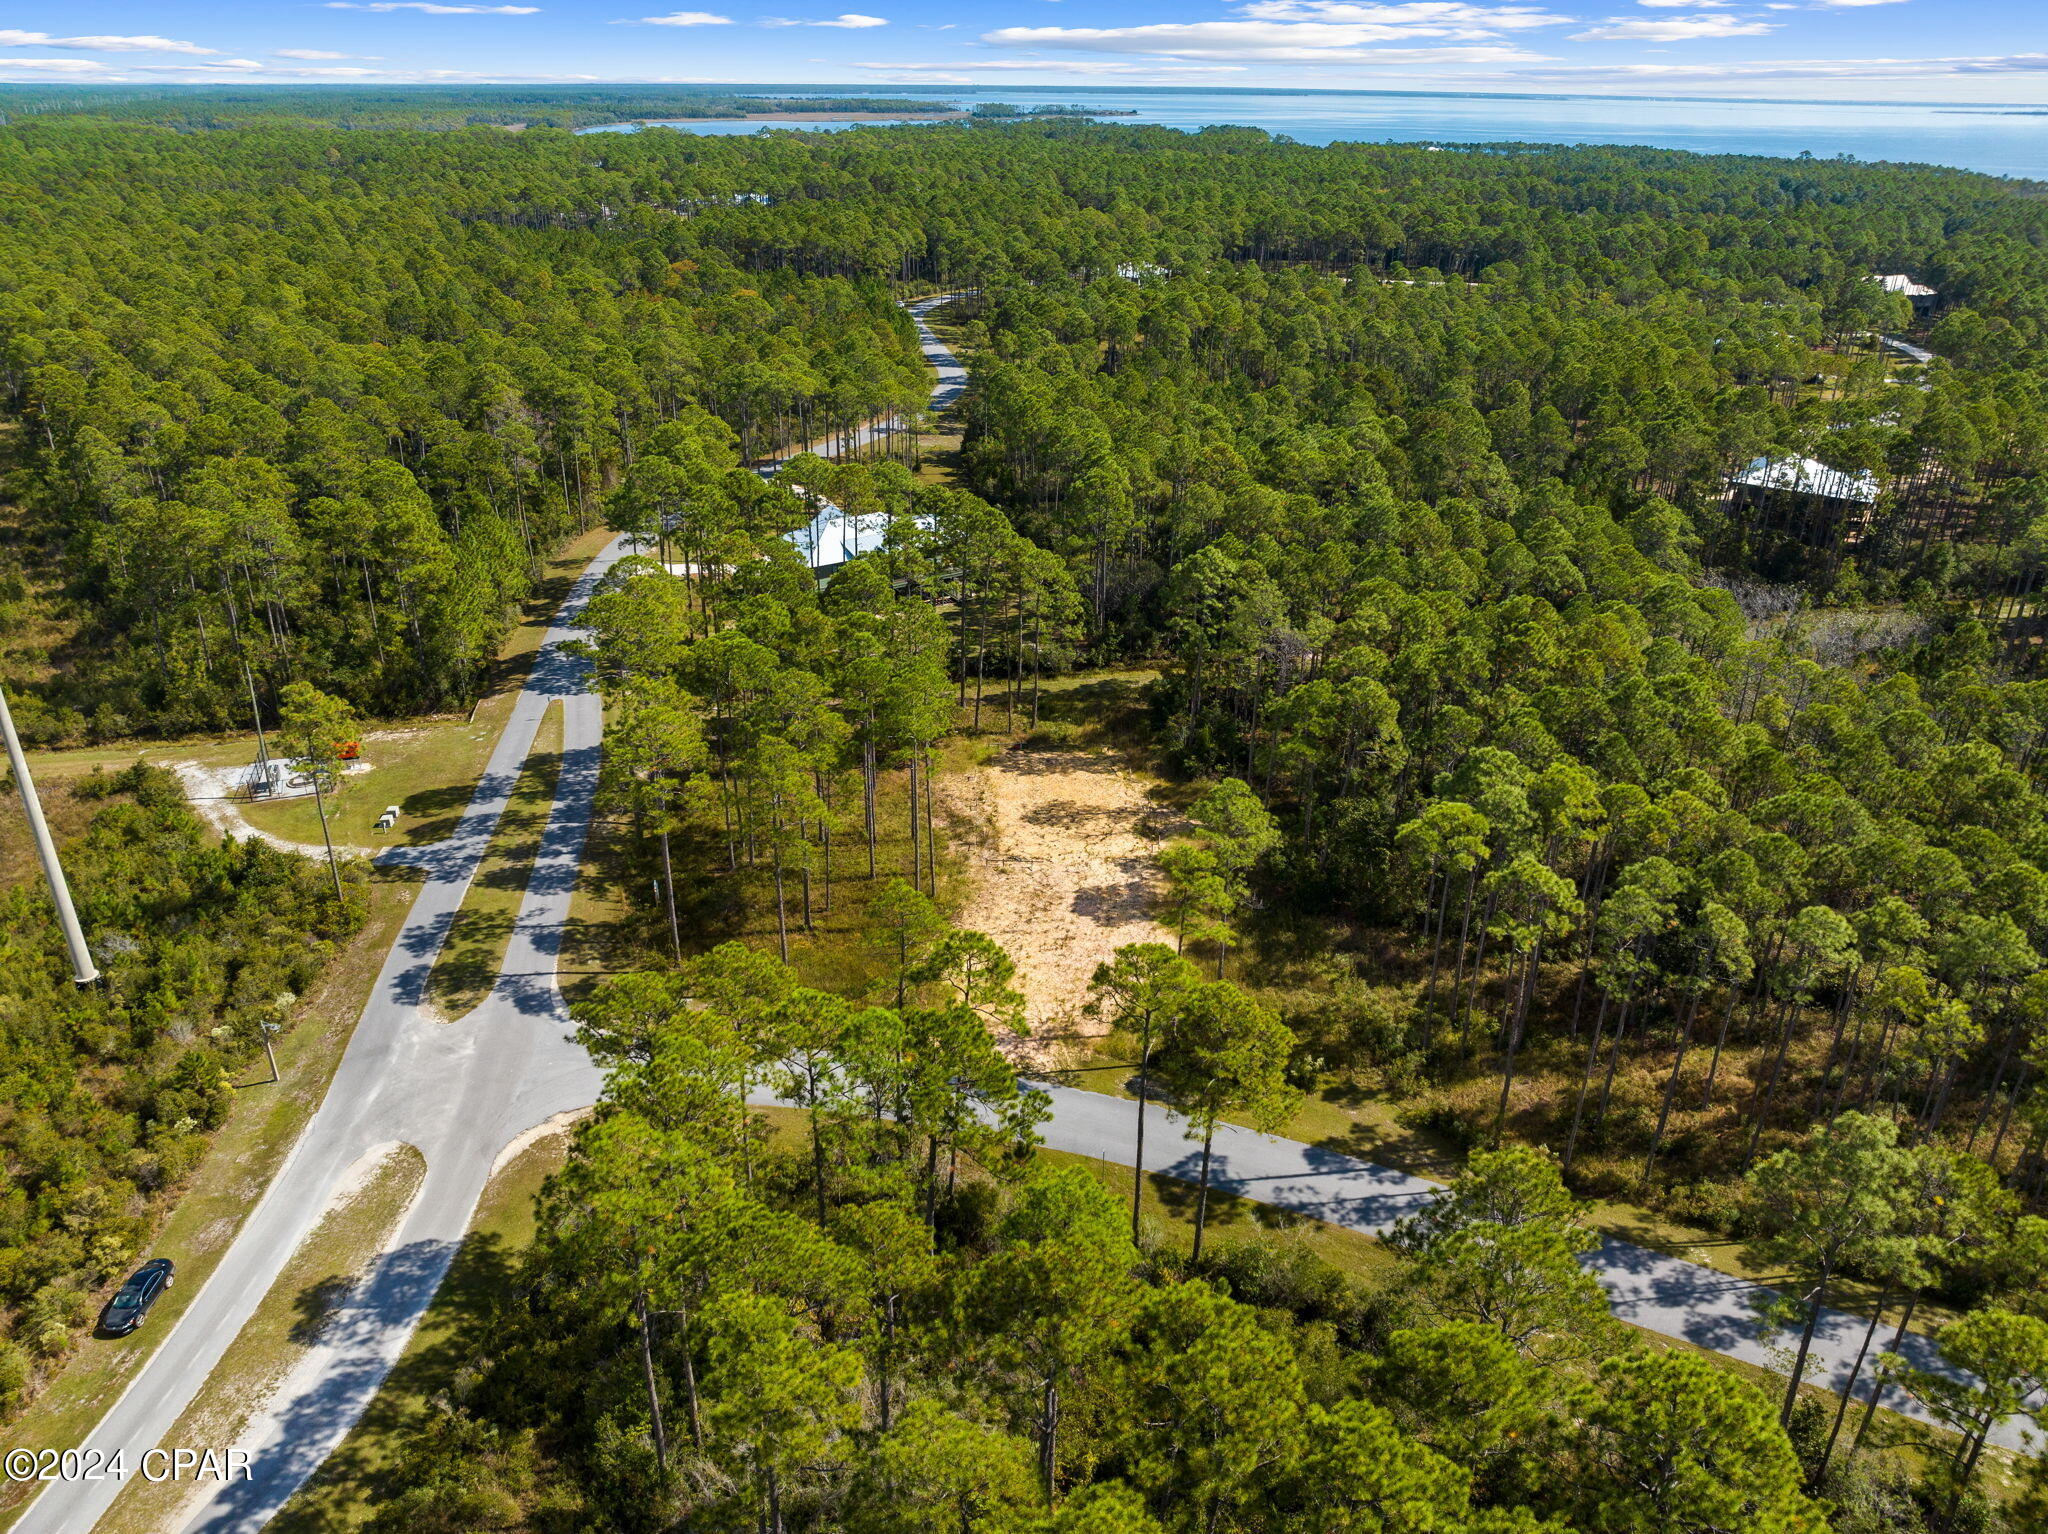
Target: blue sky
[[1921, 50]]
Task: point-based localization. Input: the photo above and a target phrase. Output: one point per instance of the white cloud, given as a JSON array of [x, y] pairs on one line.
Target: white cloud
[[680, 19], [851, 21], [1312, 31], [1692, 5], [1263, 41], [1422, 18], [319, 53], [950, 73], [431, 9], [246, 69], [1675, 29], [211, 66], [10, 38], [56, 66], [1741, 72]]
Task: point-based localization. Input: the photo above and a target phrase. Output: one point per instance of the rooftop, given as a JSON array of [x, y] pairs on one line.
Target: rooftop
[[1808, 476]]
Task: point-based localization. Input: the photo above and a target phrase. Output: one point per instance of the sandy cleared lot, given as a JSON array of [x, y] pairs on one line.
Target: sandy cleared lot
[[1061, 848]]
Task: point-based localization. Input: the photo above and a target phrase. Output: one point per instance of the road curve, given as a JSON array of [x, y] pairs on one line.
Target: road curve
[[462, 1092], [459, 1092], [1652, 1290]]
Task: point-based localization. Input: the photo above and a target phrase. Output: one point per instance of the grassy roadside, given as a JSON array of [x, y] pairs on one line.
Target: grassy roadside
[[267, 1118], [313, 1285], [227, 1184], [457, 1327], [454, 1331], [1376, 1130], [1166, 1219], [1290, 964], [430, 768], [345, 1490], [938, 449], [467, 966], [616, 923]]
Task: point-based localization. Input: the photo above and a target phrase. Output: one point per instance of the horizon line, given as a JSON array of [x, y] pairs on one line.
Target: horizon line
[[1001, 87]]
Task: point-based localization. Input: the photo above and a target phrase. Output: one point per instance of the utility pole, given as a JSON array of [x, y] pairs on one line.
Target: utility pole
[[83, 970], [262, 746], [320, 804]]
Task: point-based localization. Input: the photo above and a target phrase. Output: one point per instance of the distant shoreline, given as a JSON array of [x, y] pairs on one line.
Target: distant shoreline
[[799, 117]]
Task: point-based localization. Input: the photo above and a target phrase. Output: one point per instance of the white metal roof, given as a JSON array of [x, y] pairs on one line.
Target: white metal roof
[[1809, 476], [1899, 282]]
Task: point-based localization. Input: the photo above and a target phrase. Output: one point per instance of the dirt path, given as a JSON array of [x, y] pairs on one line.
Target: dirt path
[[209, 791], [1061, 849]]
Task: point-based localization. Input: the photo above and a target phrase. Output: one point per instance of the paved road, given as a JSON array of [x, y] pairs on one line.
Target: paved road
[[459, 1092], [462, 1092], [1907, 349], [1650, 1289], [831, 538]]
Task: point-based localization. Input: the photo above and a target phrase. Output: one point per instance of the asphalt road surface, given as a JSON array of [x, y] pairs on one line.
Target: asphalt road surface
[[1657, 1292], [461, 1092]]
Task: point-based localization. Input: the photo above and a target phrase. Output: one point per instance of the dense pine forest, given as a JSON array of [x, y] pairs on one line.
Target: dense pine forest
[[112, 1091], [1653, 842], [432, 108]]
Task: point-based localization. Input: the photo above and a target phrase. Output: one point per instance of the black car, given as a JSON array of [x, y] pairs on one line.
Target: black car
[[132, 1300]]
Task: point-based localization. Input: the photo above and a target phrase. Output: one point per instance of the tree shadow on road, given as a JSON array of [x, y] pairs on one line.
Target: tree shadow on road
[[453, 1339], [316, 1305]]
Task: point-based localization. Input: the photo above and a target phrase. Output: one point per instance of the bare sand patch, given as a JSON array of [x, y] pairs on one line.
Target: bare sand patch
[[1061, 852], [560, 1124]]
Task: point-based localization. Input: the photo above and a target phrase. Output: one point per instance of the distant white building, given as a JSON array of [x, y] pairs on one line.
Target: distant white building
[[1924, 298], [1814, 501], [1809, 476]]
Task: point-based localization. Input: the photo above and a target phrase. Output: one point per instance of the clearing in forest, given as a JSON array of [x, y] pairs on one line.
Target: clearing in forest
[[1062, 865]]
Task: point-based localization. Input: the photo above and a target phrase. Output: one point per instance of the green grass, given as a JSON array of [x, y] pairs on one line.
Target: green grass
[[1166, 1220], [1166, 1209], [287, 1324], [209, 1210], [451, 1336], [1106, 707], [429, 768], [616, 923], [467, 966]]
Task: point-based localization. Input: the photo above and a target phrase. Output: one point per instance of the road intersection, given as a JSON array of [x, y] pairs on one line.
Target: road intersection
[[462, 1092]]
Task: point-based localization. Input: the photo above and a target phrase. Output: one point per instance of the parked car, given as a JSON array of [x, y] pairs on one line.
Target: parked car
[[131, 1302]]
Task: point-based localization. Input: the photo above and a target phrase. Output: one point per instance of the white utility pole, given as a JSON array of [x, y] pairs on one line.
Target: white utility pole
[[262, 746], [83, 970]]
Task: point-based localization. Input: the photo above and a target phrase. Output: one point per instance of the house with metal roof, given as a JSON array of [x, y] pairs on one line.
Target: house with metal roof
[[1812, 501], [1925, 300]]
